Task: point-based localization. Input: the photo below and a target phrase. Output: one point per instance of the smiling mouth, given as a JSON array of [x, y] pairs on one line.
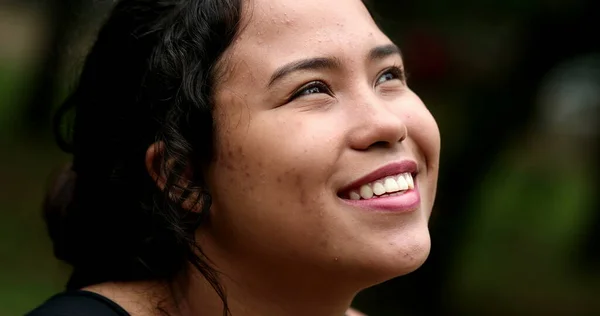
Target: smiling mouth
[[384, 187]]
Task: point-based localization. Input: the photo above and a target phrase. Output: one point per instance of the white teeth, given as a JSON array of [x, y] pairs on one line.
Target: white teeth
[[410, 181], [391, 186], [402, 183], [354, 196], [378, 188], [366, 192]]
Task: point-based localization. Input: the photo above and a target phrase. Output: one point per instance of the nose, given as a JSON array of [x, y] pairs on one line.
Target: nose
[[377, 125]]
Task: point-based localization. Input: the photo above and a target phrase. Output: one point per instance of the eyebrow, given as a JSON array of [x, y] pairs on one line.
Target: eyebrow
[[318, 63], [321, 63], [381, 52]]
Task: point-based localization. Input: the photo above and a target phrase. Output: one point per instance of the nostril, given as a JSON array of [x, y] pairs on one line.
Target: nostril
[[380, 144]]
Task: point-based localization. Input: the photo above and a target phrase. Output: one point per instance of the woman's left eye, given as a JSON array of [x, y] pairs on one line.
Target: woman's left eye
[[393, 73]]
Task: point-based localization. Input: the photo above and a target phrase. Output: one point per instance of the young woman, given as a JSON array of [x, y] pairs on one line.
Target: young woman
[[242, 157]]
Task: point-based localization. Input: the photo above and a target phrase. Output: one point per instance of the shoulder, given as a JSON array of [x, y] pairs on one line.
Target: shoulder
[[78, 303]]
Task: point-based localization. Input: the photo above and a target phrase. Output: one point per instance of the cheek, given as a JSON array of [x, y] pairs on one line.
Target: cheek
[[268, 180], [268, 150], [423, 130], [426, 136]]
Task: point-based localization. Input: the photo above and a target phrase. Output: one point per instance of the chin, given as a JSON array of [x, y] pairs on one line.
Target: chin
[[401, 257]]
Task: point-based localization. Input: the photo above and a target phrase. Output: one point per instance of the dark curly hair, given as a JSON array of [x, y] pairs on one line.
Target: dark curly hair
[[148, 78]]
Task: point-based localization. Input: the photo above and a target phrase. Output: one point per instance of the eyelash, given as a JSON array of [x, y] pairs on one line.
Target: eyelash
[[396, 71]]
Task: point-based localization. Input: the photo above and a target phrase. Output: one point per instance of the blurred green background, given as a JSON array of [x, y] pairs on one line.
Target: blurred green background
[[515, 87]]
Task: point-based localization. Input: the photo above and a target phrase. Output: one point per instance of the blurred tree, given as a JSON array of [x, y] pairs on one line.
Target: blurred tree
[[62, 19], [591, 247]]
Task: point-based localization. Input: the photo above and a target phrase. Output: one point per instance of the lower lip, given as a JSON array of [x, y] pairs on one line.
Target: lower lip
[[403, 203]]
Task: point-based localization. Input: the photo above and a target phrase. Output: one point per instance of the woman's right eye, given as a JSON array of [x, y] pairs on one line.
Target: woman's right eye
[[314, 87]]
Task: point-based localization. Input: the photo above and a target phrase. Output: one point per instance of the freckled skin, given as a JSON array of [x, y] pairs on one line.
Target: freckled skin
[[282, 240], [278, 166]]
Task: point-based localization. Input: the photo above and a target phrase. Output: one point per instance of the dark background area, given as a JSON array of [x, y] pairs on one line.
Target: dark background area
[[514, 86]]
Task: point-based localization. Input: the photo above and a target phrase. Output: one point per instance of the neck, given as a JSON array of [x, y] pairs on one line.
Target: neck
[[251, 293], [256, 284]]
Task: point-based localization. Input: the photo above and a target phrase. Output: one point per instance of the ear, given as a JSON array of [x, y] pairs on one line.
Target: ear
[[154, 161], [155, 165]]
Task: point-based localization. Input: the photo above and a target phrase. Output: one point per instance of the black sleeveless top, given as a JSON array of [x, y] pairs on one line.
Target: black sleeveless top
[[78, 303]]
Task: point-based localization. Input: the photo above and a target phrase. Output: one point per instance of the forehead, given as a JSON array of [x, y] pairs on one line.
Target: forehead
[[277, 32], [271, 15]]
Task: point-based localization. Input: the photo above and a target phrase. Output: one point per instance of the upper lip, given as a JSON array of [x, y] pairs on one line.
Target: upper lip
[[390, 169]]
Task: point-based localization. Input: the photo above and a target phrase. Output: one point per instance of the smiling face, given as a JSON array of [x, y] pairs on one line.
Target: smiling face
[[313, 112]]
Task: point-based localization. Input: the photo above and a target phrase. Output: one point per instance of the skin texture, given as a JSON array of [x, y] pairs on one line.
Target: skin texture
[[284, 240]]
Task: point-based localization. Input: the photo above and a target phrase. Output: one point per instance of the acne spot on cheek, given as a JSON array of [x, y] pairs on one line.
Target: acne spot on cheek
[[232, 157], [301, 190], [227, 159], [323, 244], [240, 152]]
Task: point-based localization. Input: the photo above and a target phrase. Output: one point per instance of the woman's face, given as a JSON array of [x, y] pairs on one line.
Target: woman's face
[[313, 117]]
